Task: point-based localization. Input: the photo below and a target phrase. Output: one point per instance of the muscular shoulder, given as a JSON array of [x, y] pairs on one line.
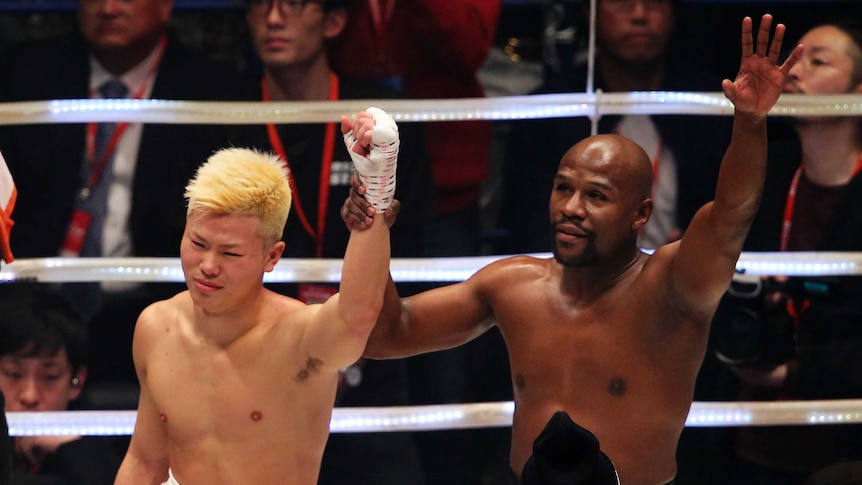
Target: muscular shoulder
[[155, 324], [653, 268], [162, 316], [285, 308], [513, 270], [660, 279], [286, 316]]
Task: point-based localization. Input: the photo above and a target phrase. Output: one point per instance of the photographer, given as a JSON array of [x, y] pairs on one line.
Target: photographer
[[801, 338]]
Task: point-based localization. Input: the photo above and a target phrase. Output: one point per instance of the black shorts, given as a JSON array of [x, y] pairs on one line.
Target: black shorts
[[514, 480]]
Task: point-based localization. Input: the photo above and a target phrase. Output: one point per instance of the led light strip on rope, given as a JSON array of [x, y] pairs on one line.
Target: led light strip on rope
[[456, 416], [460, 109], [64, 270], [453, 416], [59, 270]]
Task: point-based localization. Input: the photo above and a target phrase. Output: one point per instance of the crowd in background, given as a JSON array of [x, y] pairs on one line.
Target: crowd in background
[[468, 188]]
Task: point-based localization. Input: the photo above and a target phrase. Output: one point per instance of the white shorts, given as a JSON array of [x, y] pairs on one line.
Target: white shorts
[[171, 480]]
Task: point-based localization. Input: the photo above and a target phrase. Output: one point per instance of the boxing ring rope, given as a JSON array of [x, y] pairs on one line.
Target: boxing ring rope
[[436, 270], [453, 416], [416, 418], [497, 108], [431, 417]]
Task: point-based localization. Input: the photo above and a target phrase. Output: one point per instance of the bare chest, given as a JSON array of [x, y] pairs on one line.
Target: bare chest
[[610, 350], [218, 397]]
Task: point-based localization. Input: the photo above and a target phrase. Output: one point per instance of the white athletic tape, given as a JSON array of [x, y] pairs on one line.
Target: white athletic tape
[[377, 171]]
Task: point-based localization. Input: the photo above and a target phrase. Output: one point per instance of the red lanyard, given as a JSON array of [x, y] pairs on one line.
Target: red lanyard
[[325, 168], [791, 202], [795, 311], [98, 161]]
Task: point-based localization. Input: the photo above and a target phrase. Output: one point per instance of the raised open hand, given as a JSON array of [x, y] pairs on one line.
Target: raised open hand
[[760, 80]]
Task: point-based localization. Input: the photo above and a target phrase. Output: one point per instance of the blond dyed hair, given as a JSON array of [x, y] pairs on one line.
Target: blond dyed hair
[[245, 182]]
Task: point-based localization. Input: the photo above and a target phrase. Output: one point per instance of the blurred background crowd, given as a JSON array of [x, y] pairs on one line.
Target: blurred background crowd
[[468, 188]]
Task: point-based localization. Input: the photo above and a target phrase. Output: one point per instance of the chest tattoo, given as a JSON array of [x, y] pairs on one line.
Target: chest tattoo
[[311, 367], [616, 387]]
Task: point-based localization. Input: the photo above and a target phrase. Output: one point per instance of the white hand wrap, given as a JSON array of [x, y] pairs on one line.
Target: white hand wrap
[[377, 171]]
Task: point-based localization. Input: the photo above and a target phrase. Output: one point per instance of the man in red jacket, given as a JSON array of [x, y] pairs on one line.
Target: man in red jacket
[[432, 49]]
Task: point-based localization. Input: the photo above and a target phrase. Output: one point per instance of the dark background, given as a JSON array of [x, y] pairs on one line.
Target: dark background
[[708, 29]]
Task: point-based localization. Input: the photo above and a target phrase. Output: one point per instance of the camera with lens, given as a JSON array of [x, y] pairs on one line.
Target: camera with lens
[[750, 330]]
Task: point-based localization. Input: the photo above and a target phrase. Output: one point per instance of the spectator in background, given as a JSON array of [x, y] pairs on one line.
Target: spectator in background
[[434, 49], [290, 42], [134, 205], [43, 367], [633, 40], [8, 196], [431, 49], [805, 341]]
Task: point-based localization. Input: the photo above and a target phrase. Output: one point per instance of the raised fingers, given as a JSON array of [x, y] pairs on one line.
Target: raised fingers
[[346, 124], [792, 59], [392, 212], [747, 39], [763, 35], [355, 210], [357, 196], [777, 40]]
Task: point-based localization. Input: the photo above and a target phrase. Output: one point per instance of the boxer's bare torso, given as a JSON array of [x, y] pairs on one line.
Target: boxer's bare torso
[[253, 398], [621, 362]]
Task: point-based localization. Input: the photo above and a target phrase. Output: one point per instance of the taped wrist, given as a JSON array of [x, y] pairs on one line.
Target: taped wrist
[[377, 171]]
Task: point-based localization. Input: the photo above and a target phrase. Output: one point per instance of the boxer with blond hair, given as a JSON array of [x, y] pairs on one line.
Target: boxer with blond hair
[[237, 381]]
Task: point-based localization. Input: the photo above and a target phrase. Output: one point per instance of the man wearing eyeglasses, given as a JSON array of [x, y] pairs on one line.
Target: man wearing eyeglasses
[[291, 39], [125, 195]]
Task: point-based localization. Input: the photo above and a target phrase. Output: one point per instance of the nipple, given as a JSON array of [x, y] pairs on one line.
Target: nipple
[[256, 415], [617, 387]]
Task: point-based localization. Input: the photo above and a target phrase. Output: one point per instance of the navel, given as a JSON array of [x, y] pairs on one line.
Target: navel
[[616, 387]]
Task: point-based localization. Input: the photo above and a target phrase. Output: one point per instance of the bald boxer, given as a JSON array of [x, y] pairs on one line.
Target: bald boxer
[[610, 335]]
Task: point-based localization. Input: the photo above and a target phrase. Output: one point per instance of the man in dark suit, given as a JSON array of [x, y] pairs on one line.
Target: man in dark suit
[[133, 205]]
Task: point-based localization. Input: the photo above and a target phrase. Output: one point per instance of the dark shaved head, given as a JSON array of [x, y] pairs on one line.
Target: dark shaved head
[[600, 200], [625, 161]]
